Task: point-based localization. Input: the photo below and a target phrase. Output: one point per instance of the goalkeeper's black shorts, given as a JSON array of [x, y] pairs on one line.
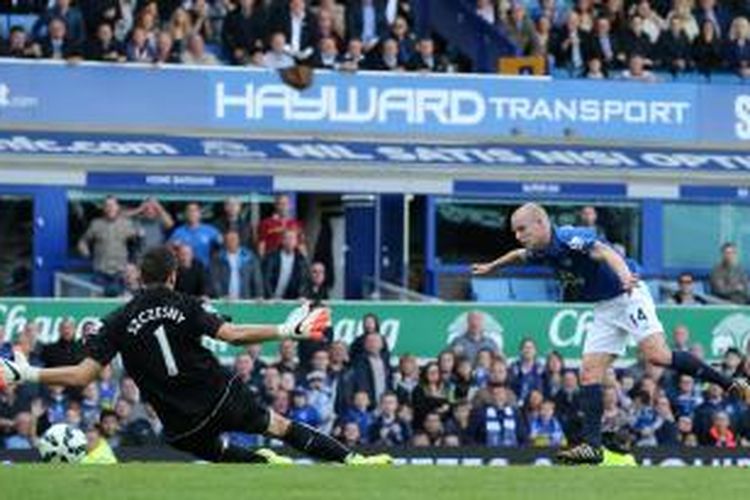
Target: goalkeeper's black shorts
[[238, 410]]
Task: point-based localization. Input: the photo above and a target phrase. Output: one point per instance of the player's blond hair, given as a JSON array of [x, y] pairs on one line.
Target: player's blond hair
[[532, 211]]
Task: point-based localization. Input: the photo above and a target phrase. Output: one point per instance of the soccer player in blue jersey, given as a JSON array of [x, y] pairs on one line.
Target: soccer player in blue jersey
[[623, 308]]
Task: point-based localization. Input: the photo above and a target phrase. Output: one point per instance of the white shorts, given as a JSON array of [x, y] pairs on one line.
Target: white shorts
[[618, 320]]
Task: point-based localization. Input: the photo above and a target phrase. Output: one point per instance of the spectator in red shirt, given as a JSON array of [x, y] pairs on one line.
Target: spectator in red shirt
[[271, 229]]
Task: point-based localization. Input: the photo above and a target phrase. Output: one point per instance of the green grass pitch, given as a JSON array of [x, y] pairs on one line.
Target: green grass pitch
[[201, 481]]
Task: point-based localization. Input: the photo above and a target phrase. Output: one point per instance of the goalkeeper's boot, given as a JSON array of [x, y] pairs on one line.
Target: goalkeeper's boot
[[582, 454], [357, 459], [617, 459], [273, 458]]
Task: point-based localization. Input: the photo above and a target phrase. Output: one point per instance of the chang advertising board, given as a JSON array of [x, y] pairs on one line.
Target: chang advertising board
[[422, 330], [468, 107]]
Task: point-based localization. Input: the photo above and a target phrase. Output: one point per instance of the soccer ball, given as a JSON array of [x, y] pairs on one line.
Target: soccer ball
[[62, 443]]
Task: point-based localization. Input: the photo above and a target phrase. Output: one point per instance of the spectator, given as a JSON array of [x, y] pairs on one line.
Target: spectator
[[192, 276], [568, 405], [302, 411], [281, 403], [139, 48], [520, 29], [497, 422], [243, 369], [271, 229], [109, 424], [387, 59], [408, 378], [684, 10], [166, 52], [19, 46], [738, 49], [286, 271], [637, 72], [388, 429], [202, 238], [405, 40], [67, 350], [298, 26], [728, 278], [545, 429], [370, 324], [687, 399], [359, 413], [459, 423], [474, 339], [731, 363], [569, 45], [278, 56], [98, 12], [236, 271], [721, 434], [56, 44], [433, 428], [603, 44], [351, 435], [674, 48], [109, 236], [24, 436], [588, 217], [636, 42], [320, 398], [666, 430], [680, 338], [685, 434], [287, 362], [526, 371], [97, 448], [244, 30], [425, 59], [327, 24], [105, 47], [196, 54], [152, 222], [68, 14], [372, 373], [233, 219], [365, 20], [199, 13], [543, 38], [708, 10], [319, 288], [463, 379], [327, 54], [653, 23], [703, 417], [430, 395], [614, 418], [706, 50], [354, 58], [486, 10], [552, 378], [685, 294]]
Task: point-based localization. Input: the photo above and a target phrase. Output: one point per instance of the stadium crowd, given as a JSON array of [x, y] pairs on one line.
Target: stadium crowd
[[471, 394], [588, 38]]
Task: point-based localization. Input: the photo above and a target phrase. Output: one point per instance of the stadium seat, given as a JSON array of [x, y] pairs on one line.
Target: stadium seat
[[533, 290], [491, 290], [7, 21]]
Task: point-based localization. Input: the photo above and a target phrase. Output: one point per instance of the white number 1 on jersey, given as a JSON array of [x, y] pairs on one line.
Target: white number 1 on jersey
[[166, 351]]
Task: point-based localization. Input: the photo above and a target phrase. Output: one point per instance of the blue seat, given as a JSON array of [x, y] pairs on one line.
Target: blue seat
[[491, 290], [7, 21], [534, 290]]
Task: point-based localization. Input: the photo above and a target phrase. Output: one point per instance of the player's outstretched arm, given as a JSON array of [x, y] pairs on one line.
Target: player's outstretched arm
[[616, 262], [302, 323], [18, 371], [517, 256]]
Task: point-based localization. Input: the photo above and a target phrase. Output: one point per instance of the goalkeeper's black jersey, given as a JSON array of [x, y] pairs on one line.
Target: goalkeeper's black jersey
[[158, 333]]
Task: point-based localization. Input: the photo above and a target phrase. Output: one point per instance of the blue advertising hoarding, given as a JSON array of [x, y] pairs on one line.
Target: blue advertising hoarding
[[467, 107]]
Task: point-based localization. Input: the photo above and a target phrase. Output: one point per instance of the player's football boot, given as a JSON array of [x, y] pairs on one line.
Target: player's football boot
[[740, 388], [357, 459], [273, 458], [582, 454]]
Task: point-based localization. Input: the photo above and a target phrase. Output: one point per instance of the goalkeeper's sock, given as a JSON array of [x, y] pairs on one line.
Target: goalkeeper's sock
[[314, 443]]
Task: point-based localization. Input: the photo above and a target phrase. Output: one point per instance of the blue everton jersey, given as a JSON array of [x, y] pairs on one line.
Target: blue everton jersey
[[569, 254]]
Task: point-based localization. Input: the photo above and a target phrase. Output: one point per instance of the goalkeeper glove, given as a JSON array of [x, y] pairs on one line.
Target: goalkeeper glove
[[304, 323], [17, 371]]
